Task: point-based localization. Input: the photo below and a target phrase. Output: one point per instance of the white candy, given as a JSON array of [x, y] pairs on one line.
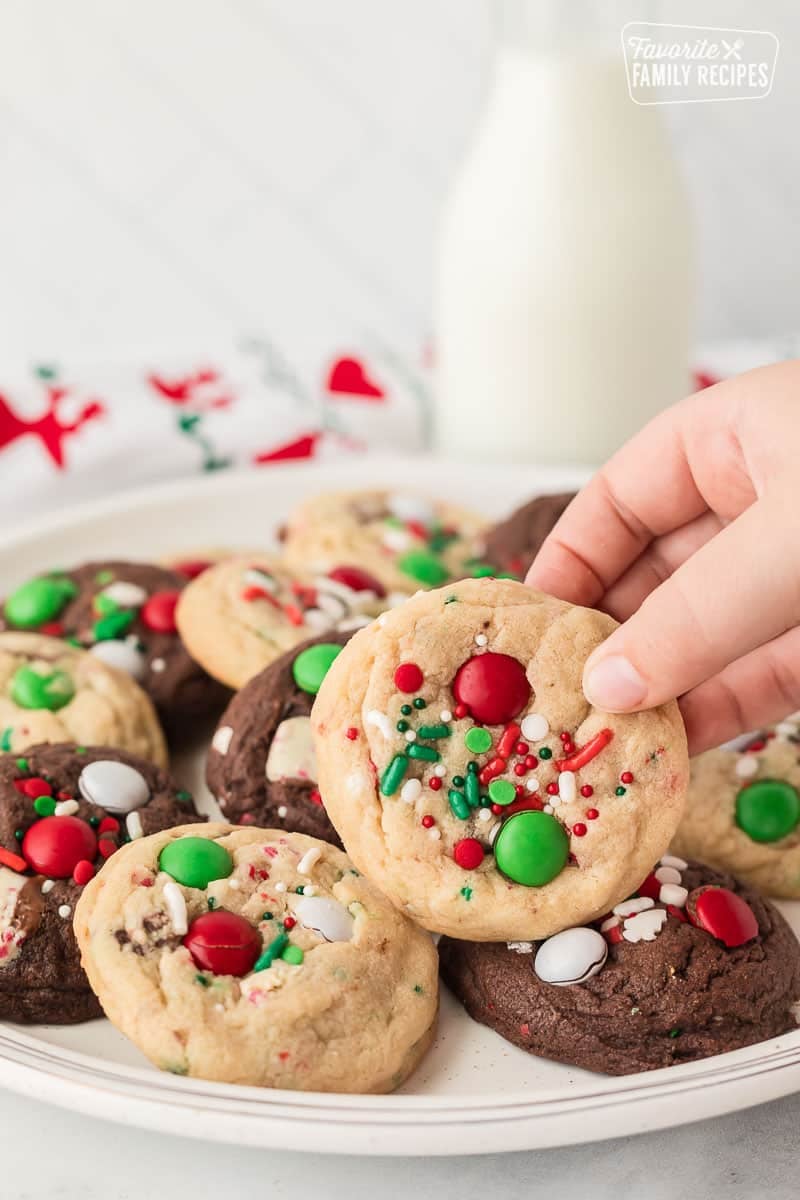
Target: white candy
[[746, 766], [566, 786], [325, 916], [440, 769], [671, 860], [282, 811], [176, 907], [668, 875], [644, 926], [114, 786], [309, 860], [121, 655], [221, 741], [64, 911], [380, 721], [126, 595], [485, 814], [291, 754], [572, 956], [411, 508], [133, 824], [410, 790], [534, 727], [636, 904], [673, 893]]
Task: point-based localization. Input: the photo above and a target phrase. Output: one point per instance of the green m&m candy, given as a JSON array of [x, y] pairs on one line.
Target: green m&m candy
[[767, 809], [29, 689], [38, 601], [195, 861], [312, 665], [531, 848], [424, 567]]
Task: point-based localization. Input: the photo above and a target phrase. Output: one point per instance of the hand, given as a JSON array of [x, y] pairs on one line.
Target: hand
[[690, 535]]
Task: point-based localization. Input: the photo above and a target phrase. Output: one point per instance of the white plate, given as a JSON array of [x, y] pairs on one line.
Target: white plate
[[474, 1093]]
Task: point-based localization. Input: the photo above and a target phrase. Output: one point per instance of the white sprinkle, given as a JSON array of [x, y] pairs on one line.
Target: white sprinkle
[[410, 735], [48, 886], [668, 875], [520, 947], [566, 786], [534, 727], [157, 665], [532, 784], [233, 883], [671, 860], [64, 911], [176, 907], [282, 811], [610, 923], [746, 766], [484, 814], [380, 721], [445, 715], [410, 790], [133, 824], [309, 890], [127, 595], [382, 620], [481, 639], [260, 579], [65, 808], [221, 740], [280, 886], [636, 904], [308, 861], [219, 1008], [673, 893], [434, 834], [548, 808], [440, 769], [644, 926]]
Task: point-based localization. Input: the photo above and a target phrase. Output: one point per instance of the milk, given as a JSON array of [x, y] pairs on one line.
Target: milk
[[564, 280]]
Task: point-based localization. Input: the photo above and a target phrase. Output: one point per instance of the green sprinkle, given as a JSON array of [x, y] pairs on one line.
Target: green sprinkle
[[472, 789], [45, 806], [113, 625], [183, 797], [433, 731], [479, 570], [451, 599], [406, 710], [502, 792], [477, 740], [419, 989], [472, 767], [293, 955], [458, 804], [22, 764], [79, 750], [401, 726], [18, 834], [299, 891], [424, 567], [5, 739], [674, 1033], [466, 892], [545, 753], [94, 822], [74, 641], [393, 775], [272, 951], [458, 781], [266, 916], [440, 539], [105, 605], [426, 752], [201, 979], [619, 791], [420, 703], [104, 577]]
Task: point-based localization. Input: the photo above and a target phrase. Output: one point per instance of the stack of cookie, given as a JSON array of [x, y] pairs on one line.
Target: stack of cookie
[[409, 752]]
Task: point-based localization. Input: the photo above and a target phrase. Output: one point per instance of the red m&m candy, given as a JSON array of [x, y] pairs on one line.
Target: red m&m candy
[[223, 943], [158, 613], [357, 580], [55, 845], [723, 914], [494, 687]]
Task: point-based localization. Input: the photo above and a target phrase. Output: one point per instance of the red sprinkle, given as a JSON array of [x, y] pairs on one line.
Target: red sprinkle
[[36, 787], [531, 762], [52, 629], [106, 847], [526, 802], [434, 783], [498, 808], [158, 612], [564, 737], [626, 777], [552, 789], [579, 829], [351, 733], [293, 614], [586, 753], [253, 592], [508, 740], [83, 872], [192, 568], [520, 769], [428, 821], [592, 814], [493, 768], [460, 711], [587, 790], [314, 796], [408, 678], [468, 853], [7, 859], [521, 748], [108, 825], [289, 922]]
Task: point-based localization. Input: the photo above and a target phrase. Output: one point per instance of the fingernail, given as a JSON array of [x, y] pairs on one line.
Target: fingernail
[[614, 684]]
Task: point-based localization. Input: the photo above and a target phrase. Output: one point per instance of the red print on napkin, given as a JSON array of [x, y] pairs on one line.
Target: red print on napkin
[[348, 377], [301, 447], [48, 428], [199, 390]]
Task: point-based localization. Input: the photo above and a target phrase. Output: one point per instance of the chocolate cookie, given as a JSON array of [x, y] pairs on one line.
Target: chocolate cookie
[[64, 810], [123, 612], [261, 765], [680, 972], [514, 543]]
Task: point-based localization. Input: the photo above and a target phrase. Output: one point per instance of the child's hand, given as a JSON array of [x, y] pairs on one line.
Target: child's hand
[[690, 535]]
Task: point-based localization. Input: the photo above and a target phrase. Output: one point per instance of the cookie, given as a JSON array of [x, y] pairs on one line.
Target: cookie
[[52, 692], [743, 810], [667, 984], [406, 541], [124, 613], [513, 544], [260, 957], [468, 776], [64, 810], [261, 765], [238, 616]]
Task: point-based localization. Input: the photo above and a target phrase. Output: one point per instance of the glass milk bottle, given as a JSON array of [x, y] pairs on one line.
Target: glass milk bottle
[[564, 285]]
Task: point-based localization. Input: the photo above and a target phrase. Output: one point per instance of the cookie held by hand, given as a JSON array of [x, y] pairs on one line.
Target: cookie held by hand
[[469, 777], [258, 957]]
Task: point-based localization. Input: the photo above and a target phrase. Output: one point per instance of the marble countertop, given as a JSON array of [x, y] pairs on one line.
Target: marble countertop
[[52, 1154]]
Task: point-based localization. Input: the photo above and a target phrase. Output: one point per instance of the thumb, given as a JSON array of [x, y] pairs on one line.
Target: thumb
[[739, 591]]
